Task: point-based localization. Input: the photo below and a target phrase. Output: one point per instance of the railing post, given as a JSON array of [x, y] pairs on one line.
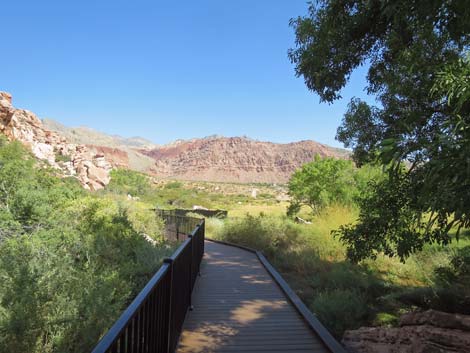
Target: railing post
[[170, 320], [202, 229], [191, 244], [177, 221]]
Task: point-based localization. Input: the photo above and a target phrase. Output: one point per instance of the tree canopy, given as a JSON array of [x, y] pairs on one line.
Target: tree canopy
[[416, 52], [320, 183]]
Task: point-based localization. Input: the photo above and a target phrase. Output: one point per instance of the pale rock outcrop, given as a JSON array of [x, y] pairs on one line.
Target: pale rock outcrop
[[91, 169], [419, 332]]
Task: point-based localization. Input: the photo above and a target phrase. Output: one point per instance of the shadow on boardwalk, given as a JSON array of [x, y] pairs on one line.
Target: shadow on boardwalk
[[239, 308]]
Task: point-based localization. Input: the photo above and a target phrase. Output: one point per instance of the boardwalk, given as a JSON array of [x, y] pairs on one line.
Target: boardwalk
[[239, 308]]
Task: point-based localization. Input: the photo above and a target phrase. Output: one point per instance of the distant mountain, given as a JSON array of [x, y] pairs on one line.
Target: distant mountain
[[214, 158], [236, 159], [120, 151], [87, 136]]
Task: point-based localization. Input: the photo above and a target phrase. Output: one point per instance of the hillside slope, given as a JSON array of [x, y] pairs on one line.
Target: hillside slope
[[120, 151], [215, 158], [236, 159], [67, 158]]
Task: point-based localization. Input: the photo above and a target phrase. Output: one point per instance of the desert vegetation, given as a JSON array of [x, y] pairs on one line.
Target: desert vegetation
[[70, 260], [76, 258], [347, 295], [314, 258], [361, 240]]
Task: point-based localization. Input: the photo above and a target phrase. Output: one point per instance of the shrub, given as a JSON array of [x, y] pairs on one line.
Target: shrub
[[454, 282], [144, 220], [125, 181], [341, 309], [457, 273], [214, 227], [70, 262], [64, 286], [268, 234], [174, 185], [62, 158]]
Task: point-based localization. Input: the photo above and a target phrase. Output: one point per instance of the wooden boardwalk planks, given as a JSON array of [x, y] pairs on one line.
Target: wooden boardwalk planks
[[239, 308]]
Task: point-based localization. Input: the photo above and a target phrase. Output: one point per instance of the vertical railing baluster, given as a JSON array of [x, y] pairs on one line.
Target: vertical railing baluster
[[161, 327], [152, 330], [170, 319], [130, 334], [142, 330], [191, 248], [145, 327], [122, 342], [135, 338]]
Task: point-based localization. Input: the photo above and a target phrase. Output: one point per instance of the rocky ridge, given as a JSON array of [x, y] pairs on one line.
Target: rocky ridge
[[121, 152], [70, 159], [89, 154], [236, 159]]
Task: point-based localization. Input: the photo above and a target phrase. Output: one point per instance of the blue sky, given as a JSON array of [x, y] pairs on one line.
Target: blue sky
[[165, 70]]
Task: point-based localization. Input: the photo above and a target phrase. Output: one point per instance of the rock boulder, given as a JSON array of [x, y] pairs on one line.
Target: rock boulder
[[419, 332]]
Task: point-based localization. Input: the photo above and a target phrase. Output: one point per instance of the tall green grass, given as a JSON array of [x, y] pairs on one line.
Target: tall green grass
[[343, 295]]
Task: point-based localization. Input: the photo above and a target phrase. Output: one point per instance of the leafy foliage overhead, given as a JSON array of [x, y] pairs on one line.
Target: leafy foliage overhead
[[418, 73]]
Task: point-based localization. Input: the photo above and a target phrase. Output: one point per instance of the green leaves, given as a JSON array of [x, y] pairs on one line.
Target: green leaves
[[70, 261], [419, 73], [126, 181], [386, 222], [327, 181]]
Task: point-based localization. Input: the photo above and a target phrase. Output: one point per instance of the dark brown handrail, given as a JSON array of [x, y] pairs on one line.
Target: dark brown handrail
[[154, 320]]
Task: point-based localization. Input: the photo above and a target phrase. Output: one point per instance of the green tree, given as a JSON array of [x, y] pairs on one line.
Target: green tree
[[415, 53], [320, 183], [125, 181]]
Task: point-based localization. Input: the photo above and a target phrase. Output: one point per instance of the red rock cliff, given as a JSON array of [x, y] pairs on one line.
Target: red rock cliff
[[91, 169]]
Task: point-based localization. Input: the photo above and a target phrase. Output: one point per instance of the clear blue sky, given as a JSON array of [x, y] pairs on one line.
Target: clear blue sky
[[165, 69]]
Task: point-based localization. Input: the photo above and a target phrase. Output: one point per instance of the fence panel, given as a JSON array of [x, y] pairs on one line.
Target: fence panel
[[154, 320]]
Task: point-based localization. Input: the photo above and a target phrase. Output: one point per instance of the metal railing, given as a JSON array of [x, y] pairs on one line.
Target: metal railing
[[177, 227], [154, 320]]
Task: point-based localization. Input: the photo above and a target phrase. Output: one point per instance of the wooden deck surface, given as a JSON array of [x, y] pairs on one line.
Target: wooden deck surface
[[239, 308]]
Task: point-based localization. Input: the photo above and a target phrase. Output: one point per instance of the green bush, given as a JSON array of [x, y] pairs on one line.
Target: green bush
[[64, 286], [457, 273], [341, 309], [70, 261], [125, 181], [453, 281], [174, 185], [62, 158], [268, 234], [214, 227]]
